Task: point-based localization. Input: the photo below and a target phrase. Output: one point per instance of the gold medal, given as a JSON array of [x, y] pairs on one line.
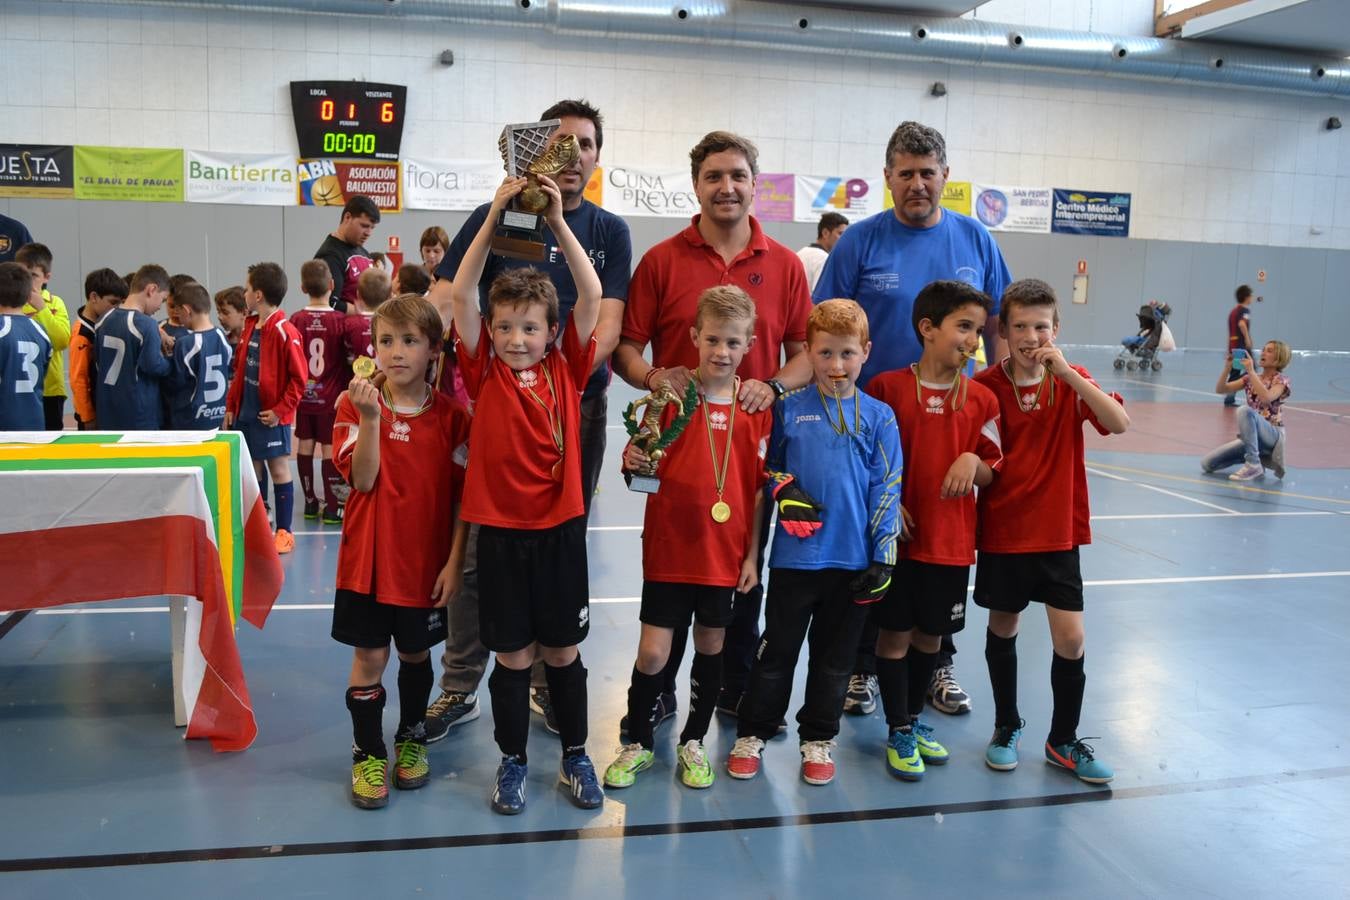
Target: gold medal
[[557, 471], [363, 366], [721, 511]]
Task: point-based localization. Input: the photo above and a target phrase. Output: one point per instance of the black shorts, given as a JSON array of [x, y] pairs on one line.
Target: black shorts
[[533, 586], [926, 596], [1007, 582], [359, 621], [672, 605]]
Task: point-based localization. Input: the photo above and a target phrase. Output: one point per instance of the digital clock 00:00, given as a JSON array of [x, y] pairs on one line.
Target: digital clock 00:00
[[338, 142]]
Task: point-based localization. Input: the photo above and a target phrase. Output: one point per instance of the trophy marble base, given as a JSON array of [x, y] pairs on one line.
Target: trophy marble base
[[518, 248], [644, 484]]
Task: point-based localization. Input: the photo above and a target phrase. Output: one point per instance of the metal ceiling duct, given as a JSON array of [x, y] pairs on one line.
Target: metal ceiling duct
[[801, 28]]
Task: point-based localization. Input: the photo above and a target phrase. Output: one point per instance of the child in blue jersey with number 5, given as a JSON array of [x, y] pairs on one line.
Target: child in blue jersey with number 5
[[25, 351], [197, 382]]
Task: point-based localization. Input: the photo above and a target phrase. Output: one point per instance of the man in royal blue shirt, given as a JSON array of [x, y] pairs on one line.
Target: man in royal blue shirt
[[883, 262]]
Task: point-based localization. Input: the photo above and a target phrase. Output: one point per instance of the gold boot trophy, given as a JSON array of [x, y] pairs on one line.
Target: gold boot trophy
[[529, 151], [650, 437]]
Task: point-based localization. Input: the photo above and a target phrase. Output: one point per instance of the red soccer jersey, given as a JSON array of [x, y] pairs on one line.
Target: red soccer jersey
[[680, 541], [321, 338], [932, 436], [357, 340], [515, 476], [1039, 501], [663, 297], [397, 536]]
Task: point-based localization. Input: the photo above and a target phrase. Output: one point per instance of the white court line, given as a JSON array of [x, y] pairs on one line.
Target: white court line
[[1169, 387], [1108, 582], [1150, 487], [1223, 515]]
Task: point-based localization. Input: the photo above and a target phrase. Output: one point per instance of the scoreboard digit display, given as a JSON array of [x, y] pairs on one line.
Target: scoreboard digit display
[[348, 119]]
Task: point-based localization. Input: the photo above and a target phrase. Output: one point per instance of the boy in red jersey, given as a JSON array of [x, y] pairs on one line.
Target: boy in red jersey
[[524, 492], [1033, 519], [321, 331], [697, 548], [266, 388], [949, 438], [402, 447]]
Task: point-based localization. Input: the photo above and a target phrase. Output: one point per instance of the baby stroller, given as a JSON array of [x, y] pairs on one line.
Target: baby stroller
[[1140, 351]]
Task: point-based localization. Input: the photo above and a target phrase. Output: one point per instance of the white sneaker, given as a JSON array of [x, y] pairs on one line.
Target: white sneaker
[[817, 765], [743, 762]]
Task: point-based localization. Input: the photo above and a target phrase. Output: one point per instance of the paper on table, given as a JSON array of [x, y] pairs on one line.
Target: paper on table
[[167, 437]]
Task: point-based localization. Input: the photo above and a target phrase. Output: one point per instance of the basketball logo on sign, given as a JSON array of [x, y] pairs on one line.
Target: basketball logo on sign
[[326, 191]]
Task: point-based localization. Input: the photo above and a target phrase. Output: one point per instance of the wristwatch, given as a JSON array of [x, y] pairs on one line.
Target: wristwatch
[[777, 387]]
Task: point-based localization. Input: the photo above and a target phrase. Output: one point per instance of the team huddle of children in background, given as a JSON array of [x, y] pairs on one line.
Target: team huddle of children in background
[[882, 497]]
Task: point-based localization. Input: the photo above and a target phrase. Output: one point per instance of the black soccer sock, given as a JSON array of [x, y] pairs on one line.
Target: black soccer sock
[[285, 494], [510, 691], [1001, 655], [921, 666], [366, 704], [679, 642], [305, 463], [642, 691], [567, 689], [414, 692], [1067, 680], [893, 679], [705, 683]]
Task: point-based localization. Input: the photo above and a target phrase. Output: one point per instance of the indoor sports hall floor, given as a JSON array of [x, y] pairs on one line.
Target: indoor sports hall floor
[[1218, 654]]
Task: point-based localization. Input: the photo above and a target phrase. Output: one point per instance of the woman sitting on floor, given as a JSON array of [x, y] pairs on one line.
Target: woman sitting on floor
[[1261, 421]]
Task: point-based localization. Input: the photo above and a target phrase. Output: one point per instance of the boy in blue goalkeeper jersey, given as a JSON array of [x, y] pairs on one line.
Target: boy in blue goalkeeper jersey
[[25, 351], [834, 465], [196, 385]]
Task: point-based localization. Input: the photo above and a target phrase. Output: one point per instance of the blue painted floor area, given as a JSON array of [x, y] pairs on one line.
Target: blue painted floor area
[[1218, 629]]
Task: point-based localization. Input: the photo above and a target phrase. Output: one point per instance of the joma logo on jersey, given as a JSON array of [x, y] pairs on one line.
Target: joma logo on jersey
[[808, 417], [399, 431], [841, 194]]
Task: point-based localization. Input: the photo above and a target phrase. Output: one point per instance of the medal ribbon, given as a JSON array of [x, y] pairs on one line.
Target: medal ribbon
[[842, 427], [958, 388], [554, 414], [720, 476]]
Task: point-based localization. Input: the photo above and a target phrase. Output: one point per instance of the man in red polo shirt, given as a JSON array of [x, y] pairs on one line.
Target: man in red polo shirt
[[723, 245]]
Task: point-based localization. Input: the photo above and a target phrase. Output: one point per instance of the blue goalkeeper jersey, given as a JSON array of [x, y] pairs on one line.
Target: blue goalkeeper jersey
[[851, 468], [198, 380], [130, 366], [25, 351]]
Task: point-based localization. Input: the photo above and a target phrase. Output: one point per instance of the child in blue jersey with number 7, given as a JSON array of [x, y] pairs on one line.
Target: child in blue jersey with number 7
[[129, 357]]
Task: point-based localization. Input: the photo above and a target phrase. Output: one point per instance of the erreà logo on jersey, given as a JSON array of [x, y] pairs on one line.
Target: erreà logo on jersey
[[528, 378], [935, 405], [841, 194], [399, 431], [1028, 402], [718, 420]]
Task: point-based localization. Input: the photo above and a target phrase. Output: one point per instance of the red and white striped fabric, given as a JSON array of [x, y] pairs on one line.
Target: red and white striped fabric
[[127, 533]]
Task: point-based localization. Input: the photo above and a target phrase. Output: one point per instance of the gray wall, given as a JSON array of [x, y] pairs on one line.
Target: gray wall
[[1304, 294]]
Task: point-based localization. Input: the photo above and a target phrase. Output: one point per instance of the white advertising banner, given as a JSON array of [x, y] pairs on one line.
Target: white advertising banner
[[455, 185], [853, 198], [1012, 208], [668, 193], [252, 179]]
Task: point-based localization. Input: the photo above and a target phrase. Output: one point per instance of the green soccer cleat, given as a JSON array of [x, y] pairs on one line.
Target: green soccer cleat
[[369, 783], [632, 759], [933, 753], [903, 758], [412, 767], [695, 770]]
